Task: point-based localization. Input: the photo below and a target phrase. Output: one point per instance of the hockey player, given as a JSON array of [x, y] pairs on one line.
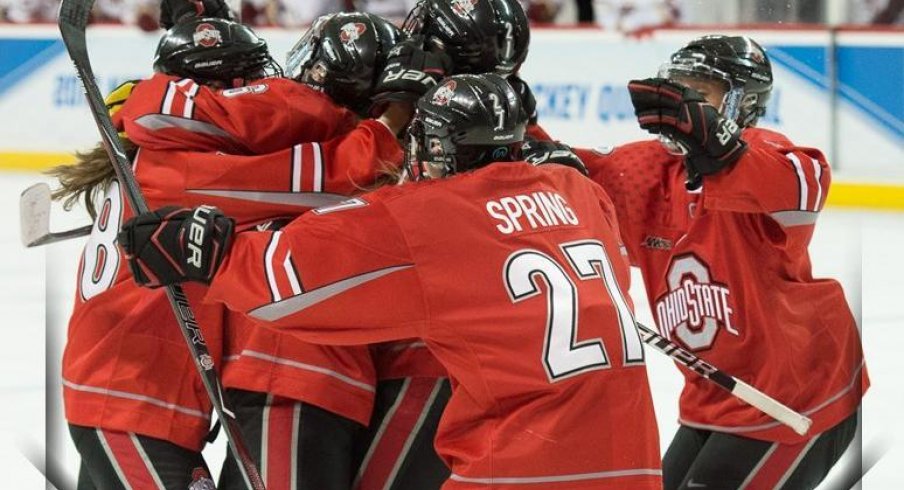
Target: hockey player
[[510, 273], [719, 219], [194, 111]]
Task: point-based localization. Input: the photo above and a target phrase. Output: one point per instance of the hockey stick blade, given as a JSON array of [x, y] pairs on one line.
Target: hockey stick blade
[[797, 422], [34, 219], [73, 20]]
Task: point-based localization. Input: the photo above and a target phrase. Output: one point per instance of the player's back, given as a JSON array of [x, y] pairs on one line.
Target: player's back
[[526, 293]]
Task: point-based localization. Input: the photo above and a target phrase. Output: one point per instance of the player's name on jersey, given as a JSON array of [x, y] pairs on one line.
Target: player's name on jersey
[[530, 211]]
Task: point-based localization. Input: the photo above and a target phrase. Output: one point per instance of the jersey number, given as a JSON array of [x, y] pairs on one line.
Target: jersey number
[[100, 261], [563, 355]]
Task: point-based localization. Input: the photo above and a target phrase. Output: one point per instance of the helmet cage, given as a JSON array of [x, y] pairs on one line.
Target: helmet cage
[[316, 61], [734, 95], [299, 59]]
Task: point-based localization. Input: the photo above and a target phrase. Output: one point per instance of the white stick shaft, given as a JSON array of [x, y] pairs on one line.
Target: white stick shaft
[[799, 423]]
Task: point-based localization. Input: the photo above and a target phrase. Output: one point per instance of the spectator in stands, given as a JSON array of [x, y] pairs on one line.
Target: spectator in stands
[[28, 11], [636, 15], [884, 12], [390, 9]]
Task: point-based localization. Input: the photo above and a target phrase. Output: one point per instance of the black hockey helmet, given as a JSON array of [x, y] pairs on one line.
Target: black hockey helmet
[[465, 122], [481, 36], [342, 55], [211, 50], [737, 61]]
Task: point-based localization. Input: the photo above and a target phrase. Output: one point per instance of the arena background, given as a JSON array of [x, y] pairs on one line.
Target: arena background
[[837, 89]]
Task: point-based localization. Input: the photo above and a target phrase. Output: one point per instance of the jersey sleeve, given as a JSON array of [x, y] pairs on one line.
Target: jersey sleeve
[[286, 182], [774, 177], [340, 275], [166, 112]]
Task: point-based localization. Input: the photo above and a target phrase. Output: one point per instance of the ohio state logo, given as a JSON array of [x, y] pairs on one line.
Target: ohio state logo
[[207, 35], [445, 93], [200, 480], [351, 32], [695, 306], [463, 7]]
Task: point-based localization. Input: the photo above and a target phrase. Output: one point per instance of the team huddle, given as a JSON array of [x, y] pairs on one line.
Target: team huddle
[[407, 284]]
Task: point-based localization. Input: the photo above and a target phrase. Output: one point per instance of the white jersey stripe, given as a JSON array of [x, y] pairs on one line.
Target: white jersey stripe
[[291, 274], [796, 463], [530, 480], [189, 108], [318, 167], [380, 431], [265, 436], [112, 458], [414, 432], [309, 367], [293, 462], [147, 462], [136, 397], [268, 266], [818, 172], [801, 180], [296, 168], [167, 107], [756, 469]]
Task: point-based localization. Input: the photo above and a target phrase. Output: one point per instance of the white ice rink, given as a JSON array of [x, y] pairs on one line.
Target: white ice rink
[[861, 250]]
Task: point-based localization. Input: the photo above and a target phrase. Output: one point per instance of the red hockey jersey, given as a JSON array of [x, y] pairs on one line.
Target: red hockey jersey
[[165, 112], [513, 277], [119, 333], [728, 275]]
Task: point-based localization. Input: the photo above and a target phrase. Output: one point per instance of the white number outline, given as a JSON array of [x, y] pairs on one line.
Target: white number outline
[[499, 111], [102, 240], [509, 48], [588, 260]]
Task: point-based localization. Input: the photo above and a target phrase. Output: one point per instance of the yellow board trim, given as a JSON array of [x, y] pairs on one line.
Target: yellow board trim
[[868, 196], [33, 161], [842, 194]]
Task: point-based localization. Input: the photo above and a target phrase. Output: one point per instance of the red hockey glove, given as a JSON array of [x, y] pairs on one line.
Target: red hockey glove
[[410, 72], [173, 245], [662, 107], [545, 152]]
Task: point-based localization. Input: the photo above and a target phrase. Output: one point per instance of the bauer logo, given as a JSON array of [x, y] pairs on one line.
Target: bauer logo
[[351, 32], [695, 307], [207, 35], [463, 7], [443, 95]]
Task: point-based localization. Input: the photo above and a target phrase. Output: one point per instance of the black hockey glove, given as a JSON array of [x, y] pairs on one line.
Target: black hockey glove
[[173, 245], [173, 12], [410, 72], [662, 107], [544, 152], [528, 102]]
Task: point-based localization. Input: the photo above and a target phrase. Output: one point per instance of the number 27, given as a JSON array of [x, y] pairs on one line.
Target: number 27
[[563, 355]]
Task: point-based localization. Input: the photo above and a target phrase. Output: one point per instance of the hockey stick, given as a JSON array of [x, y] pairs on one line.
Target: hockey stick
[[34, 219], [73, 21], [766, 404]]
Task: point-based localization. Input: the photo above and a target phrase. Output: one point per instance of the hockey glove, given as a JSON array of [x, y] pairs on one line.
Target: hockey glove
[[544, 152], [663, 107], [528, 102], [173, 245], [410, 72], [173, 12]]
